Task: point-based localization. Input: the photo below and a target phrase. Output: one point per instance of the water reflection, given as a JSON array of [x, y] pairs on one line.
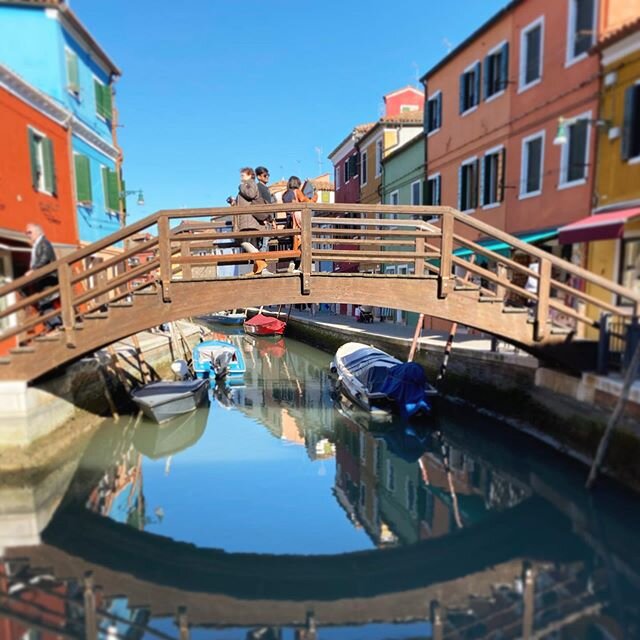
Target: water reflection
[[495, 532]]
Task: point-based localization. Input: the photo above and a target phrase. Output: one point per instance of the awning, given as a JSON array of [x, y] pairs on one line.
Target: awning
[[599, 226], [503, 248]]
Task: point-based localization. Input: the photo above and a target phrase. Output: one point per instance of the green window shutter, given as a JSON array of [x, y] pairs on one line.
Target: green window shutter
[[33, 155], [107, 102], [105, 186], [49, 166], [73, 77], [112, 196], [98, 93], [83, 178]]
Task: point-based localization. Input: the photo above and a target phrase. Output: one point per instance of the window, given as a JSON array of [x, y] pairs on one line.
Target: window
[[492, 181], [43, 175], [470, 88], [73, 75], [347, 175], [630, 271], [405, 108], [103, 99], [391, 476], [410, 495], [630, 143], [83, 178], [110, 189], [416, 192], [433, 197], [351, 167], [531, 47], [531, 165], [364, 156], [394, 197], [434, 113], [468, 185], [337, 170], [379, 155], [496, 71], [573, 161], [582, 29]]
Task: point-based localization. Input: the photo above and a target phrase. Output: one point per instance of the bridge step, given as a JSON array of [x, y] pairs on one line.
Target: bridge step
[[48, 338], [96, 315], [145, 292], [120, 304], [467, 287], [515, 310], [490, 299], [18, 350], [5, 360]]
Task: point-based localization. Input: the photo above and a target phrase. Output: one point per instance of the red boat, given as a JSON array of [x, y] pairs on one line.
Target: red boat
[[261, 325]]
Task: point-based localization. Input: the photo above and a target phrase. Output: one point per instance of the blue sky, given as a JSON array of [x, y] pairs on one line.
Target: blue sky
[[209, 86]]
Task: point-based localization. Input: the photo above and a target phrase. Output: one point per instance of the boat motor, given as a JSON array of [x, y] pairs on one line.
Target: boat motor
[[180, 369]]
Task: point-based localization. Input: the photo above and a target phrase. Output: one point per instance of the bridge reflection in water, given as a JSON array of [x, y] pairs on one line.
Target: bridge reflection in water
[[481, 533]]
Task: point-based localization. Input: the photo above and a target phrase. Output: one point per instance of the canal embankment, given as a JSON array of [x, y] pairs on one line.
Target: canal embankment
[[566, 412], [41, 423]]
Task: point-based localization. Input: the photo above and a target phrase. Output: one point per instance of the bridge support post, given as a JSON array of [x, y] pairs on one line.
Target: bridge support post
[[183, 623], [544, 293], [164, 250], [418, 267], [90, 620], [446, 255], [66, 303], [306, 259], [437, 625], [528, 593]]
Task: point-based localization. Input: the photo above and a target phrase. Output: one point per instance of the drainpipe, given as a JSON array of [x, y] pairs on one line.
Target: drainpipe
[[119, 159], [72, 171]]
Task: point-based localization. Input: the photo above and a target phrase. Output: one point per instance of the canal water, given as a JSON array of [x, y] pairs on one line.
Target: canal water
[[279, 509]]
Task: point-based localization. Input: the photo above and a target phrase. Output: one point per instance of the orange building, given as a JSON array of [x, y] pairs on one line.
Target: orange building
[[35, 181], [492, 112]]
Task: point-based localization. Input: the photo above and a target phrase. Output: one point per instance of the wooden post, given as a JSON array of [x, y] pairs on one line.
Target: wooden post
[[164, 251], [446, 255], [66, 304], [501, 272], [419, 262], [528, 596], [615, 416], [416, 337], [185, 252], [90, 621], [544, 293], [183, 623], [306, 258], [437, 626]]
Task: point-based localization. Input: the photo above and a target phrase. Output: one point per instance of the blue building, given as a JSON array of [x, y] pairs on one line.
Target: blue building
[[44, 43]]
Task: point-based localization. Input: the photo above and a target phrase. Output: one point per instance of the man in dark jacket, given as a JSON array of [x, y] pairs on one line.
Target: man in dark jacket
[[262, 174], [42, 254]]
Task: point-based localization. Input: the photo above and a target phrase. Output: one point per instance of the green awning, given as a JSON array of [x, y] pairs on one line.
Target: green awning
[[503, 248]]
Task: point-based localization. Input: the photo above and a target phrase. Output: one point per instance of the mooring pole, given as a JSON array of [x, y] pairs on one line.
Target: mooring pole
[[615, 417], [416, 337]]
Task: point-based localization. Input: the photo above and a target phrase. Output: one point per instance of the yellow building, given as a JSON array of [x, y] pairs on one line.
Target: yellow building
[[388, 134], [609, 240]]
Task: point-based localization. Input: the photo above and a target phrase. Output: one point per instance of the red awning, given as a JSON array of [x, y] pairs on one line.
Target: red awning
[[599, 226]]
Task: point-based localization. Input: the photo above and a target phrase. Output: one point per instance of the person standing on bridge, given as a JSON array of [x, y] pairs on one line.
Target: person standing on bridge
[[262, 175], [249, 194], [42, 254]]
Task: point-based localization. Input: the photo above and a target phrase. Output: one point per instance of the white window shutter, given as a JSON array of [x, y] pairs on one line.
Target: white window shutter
[[481, 180]]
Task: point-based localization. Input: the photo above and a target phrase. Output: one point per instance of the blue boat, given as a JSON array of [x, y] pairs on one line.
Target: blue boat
[[227, 318], [217, 359]]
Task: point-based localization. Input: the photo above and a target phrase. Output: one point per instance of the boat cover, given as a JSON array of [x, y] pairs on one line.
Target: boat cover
[[221, 356], [405, 383], [265, 322], [157, 393]]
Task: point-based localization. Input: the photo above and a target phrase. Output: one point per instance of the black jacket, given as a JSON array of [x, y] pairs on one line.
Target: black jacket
[[265, 196], [43, 254]]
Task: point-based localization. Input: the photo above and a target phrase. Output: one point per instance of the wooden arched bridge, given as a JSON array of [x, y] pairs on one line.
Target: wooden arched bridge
[[174, 271]]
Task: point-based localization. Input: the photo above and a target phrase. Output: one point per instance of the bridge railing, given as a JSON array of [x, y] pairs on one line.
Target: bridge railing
[[431, 242]]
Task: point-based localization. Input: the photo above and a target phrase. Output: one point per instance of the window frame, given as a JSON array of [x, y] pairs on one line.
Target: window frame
[[524, 165], [570, 58], [419, 183], [379, 143], [563, 183], [364, 167], [96, 81], [465, 163], [473, 67], [396, 193], [41, 160], [437, 96], [68, 51], [498, 49], [336, 170], [497, 150], [522, 86], [438, 178], [636, 158]]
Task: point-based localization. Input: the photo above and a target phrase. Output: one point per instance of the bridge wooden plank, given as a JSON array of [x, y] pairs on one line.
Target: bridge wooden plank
[[446, 251], [361, 242], [544, 293], [373, 222], [29, 301], [328, 231], [240, 258], [185, 252], [233, 235], [66, 304], [306, 260], [164, 246], [408, 256], [418, 264]]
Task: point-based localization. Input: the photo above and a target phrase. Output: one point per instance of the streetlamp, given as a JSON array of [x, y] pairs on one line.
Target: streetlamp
[[561, 134], [139, 201]]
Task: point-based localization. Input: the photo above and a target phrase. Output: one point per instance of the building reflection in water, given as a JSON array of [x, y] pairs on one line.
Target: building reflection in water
[[403, 487]]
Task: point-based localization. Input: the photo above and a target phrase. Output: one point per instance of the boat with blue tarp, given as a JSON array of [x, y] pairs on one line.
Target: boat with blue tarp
[[218, 359]]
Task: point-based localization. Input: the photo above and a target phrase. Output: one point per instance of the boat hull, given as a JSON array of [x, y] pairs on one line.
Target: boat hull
[[261, 325], [227, 319], [163, 401]]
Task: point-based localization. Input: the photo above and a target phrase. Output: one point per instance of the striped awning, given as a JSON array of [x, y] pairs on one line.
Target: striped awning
[[598, 226]]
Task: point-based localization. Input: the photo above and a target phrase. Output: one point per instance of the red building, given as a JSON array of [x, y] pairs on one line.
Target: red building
[[35, 179]]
